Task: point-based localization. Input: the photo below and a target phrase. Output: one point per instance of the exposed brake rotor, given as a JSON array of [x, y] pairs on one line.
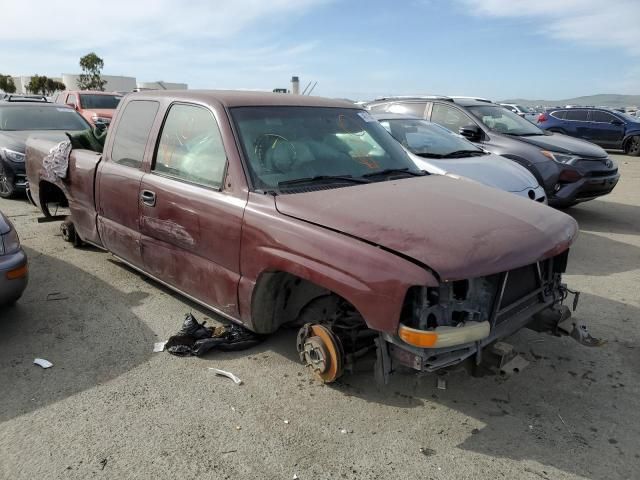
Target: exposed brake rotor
[[321, 350]]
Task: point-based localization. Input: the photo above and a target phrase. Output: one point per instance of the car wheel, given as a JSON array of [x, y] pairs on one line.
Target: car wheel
[[633, 146], [7, 188]]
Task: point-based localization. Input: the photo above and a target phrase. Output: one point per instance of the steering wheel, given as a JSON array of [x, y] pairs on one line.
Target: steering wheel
[[267, 145]]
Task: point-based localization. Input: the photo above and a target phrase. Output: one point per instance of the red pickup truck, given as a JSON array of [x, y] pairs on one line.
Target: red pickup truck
[[271, 209]]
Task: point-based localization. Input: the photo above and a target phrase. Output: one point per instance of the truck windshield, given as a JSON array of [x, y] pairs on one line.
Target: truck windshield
[[504, 121], [99, 101], [285, 144], [34, 117]]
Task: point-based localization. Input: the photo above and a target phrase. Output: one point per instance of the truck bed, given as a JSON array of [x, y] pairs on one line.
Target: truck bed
[[77, 188]]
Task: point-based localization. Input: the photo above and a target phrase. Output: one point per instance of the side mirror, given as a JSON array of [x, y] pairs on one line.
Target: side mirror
[[617, 122], [72, 105], [471, 132]]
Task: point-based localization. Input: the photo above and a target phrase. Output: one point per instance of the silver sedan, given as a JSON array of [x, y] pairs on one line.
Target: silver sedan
[[14, 272], [437, 150]]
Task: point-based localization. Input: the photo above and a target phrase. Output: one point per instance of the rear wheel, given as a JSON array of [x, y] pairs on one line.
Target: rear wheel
[[69, 233], [7, 189], [633, 146]]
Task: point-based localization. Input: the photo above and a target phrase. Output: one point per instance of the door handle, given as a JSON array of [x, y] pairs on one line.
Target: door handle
[[148, 198]]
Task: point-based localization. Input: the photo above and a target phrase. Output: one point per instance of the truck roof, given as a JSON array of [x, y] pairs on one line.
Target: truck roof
[[239, 98]]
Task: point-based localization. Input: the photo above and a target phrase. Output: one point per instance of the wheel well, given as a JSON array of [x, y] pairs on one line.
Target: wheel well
[[626, 142], [50, 193], [279, 297]]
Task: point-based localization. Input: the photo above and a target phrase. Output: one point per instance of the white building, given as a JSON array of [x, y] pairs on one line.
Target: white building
[[115, 83]]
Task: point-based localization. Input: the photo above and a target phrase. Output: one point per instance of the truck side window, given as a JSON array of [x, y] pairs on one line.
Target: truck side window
[[449, 117], [132, 133], [190, 147]]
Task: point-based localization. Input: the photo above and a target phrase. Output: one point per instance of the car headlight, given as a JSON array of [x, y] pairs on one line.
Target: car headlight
[[559, 157], [13, 156], [9, 242]]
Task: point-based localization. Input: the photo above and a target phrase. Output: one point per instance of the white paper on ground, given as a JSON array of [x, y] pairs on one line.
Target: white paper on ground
[[230, 375], [43, 363], [158, 347]]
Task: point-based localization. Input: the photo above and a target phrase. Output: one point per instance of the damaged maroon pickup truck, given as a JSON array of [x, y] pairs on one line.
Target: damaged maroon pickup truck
[[273, 209]]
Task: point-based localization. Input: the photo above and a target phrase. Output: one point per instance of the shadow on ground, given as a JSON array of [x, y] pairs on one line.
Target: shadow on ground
[[69, 330], [607, 217]]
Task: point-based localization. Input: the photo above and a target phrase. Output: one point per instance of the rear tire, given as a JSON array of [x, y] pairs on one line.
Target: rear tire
[[69, 233], [633, 146], [7, 188]]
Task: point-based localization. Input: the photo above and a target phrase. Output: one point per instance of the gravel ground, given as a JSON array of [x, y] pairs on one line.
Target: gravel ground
[[110, 408]]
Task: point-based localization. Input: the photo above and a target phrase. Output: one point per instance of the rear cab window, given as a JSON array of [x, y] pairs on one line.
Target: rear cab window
[[132, 132]]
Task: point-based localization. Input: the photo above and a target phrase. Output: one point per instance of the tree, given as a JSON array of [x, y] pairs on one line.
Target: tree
[[90, 78], [6, 84], [44, 85]]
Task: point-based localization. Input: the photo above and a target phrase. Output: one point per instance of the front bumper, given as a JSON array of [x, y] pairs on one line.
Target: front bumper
[[585, 189], [495, 307], [14, 276]]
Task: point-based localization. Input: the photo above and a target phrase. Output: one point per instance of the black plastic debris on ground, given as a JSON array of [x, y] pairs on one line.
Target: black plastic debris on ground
[[195, 338]]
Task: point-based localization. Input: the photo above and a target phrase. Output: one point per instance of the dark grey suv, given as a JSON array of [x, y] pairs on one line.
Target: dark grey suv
[[570, 170]]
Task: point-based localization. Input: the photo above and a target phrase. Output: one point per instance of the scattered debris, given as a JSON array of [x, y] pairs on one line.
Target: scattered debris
[[427, 452], [238, 427], [562, 420], [286, 422], [43, 363], [295, 476], [196, 339], [229, 451], [103, 463], [224, 373], [515, 365], [53, 296], [582, 335], [159, 347], [343, 430]]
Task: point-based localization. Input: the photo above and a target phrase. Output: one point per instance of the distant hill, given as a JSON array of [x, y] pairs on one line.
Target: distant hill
[[610, 100]]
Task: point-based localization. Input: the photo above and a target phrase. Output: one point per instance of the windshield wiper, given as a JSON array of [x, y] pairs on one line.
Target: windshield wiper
[[463, 153], [428, 155], [322, 178], [524, 134], [389, 171]]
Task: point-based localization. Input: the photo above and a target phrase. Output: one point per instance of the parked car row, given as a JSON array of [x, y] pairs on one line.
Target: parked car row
[[570, 170], [276, 209]]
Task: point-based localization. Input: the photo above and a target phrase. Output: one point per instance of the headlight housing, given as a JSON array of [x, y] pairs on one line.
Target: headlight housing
[[559, 157], [9, 242], [12, 155]]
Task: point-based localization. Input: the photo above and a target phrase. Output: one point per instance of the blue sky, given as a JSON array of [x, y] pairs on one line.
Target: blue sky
[[358, 49]]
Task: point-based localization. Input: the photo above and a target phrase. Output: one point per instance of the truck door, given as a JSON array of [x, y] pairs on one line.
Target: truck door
[[118, 181], [190, 224]]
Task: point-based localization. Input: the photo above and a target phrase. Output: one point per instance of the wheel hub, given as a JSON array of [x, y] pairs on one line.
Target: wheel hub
[[321, 351]]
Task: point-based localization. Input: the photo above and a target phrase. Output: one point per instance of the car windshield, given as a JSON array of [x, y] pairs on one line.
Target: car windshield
[[502, 120], [289, 144], [426, 138], [35, 117], [99, 101]]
